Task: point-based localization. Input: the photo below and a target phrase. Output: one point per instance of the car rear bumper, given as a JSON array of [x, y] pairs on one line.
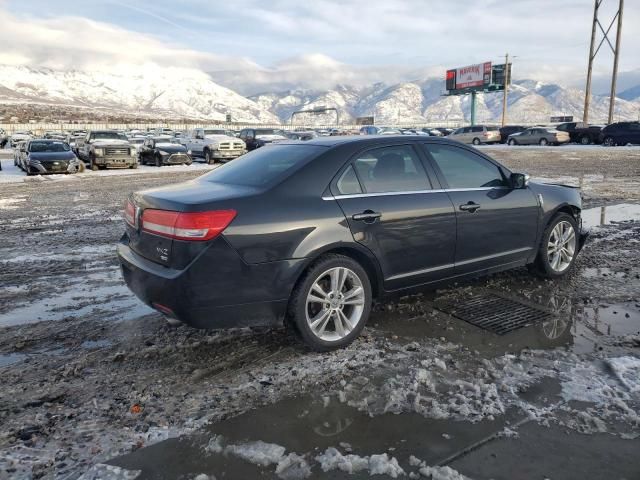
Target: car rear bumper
[[216, 290]]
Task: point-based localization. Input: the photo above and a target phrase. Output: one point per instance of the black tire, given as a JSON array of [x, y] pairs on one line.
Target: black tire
[[512, 142], [542, 266], [158, 161], [585, 140], [92, 164], [208, 159], [476, 141], [543, 142], [297, 311], [609, 142], [135, 165]]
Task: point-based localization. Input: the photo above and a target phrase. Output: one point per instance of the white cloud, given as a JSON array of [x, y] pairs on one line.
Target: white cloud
[[257, 46]]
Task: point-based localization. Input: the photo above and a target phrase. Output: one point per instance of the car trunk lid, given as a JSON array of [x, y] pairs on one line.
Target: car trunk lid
[[172, 225]]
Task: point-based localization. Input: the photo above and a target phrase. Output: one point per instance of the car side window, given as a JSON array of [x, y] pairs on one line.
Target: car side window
[[477, 129], [348, 183], [391, 169], [464, 169]]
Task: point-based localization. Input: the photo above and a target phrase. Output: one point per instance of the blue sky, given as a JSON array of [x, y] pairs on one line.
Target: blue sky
[[372, 38]]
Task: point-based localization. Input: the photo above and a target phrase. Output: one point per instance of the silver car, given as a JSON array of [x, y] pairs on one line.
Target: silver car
[[538, 136], [477, 134]]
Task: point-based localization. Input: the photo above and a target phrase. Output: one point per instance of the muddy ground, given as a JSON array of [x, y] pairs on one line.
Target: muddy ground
[[96, 384]]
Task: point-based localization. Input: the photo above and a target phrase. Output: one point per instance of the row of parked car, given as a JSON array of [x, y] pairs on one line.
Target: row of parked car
[[620, 133]]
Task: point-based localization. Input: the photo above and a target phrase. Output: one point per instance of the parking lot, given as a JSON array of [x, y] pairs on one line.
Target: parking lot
[[96, 383]]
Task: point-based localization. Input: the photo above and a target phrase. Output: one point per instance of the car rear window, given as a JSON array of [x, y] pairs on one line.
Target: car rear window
[[265, 165]]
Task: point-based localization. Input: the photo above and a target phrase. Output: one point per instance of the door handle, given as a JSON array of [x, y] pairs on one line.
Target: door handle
[[469, 207], [368, 216]]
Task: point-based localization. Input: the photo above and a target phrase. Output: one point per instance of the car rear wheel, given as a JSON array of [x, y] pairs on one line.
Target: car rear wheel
[[544, 142], [158, 161], [476, 141], [585, 140], [559, 247], [331, 303], [512, 142]]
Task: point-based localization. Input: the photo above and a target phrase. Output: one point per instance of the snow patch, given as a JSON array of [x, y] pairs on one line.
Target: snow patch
[[627, 370], [378, 464]]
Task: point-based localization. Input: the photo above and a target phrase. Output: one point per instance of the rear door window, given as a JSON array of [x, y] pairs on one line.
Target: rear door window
[[348, 183], [391, 169]]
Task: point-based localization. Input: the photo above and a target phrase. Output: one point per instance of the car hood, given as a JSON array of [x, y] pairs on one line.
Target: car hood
[[108, 141], [170, 147], [220, 138], [51, 156]]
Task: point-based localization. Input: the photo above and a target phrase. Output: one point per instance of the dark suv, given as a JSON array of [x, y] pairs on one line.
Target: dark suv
[[620, 133]]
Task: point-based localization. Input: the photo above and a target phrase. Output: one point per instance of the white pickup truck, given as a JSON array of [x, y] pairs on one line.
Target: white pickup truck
[[213, 145]]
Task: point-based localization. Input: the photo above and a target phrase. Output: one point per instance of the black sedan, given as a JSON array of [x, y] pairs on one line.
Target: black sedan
[[45, 156], [161, 151], [310, 233]]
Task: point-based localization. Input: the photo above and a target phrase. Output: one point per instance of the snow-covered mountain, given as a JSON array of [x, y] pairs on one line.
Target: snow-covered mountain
[[171, 92], [422, 101], [165, 92]]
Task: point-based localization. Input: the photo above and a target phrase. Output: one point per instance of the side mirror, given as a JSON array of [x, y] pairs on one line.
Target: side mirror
[[519, 180]]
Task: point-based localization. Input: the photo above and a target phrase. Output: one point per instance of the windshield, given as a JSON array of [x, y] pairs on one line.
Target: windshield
[[265, 165], [215, 132], [108, 136], [269, 131], [49, 147]]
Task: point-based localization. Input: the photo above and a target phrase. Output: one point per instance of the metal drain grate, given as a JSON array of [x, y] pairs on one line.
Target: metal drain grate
[[493, 313]]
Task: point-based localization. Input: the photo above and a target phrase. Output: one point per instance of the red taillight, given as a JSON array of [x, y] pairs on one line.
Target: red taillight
[[130, 213], [199, 226]]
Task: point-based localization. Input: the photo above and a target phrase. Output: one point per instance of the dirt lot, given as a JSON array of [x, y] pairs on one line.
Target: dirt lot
[[96, 384]]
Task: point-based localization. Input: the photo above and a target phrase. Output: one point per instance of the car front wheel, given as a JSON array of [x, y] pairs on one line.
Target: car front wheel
[[609, 142], [331, 303], [559, 247], [208, 158], [512, 142]]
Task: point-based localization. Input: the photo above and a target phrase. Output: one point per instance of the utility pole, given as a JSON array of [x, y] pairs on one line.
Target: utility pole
[[473, 108], [506, 88], [593, 52], [616, 55]]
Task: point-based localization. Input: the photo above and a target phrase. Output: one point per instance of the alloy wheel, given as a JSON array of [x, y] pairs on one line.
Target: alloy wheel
[[335, 304], [561, 247]]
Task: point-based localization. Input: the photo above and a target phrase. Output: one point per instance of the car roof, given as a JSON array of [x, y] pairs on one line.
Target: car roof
[[366, 140]]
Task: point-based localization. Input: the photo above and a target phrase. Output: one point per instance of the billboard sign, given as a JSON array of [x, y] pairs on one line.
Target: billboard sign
[[471, 77], [364, 120]]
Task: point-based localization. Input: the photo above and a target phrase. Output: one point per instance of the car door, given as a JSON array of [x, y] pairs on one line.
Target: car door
[[633, 133], [496, 224], [395, 210]]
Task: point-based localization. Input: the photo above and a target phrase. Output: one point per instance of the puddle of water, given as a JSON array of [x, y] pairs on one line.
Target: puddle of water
[[78, 300], [309, 425], [594, 325], [605, 215], [94, 344], [11, 358]]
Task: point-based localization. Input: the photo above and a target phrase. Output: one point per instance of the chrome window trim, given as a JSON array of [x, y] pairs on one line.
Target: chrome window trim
[[412, 192]]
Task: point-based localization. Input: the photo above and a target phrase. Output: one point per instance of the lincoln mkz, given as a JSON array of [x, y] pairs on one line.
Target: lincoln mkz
[[309, 233]]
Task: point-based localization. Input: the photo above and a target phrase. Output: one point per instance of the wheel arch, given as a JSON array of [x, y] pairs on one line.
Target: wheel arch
[[355, 252]]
